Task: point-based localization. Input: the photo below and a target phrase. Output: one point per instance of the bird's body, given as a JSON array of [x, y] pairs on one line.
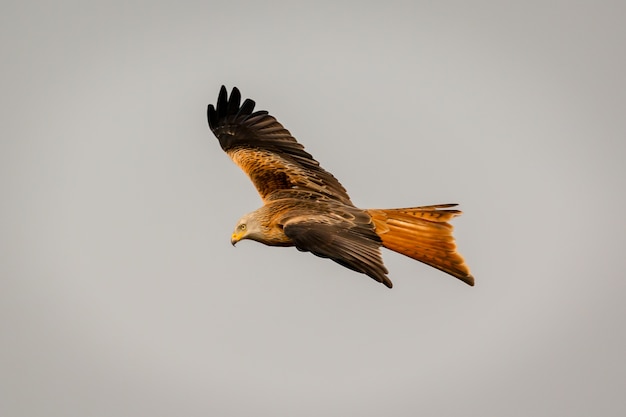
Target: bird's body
[[306, 207]]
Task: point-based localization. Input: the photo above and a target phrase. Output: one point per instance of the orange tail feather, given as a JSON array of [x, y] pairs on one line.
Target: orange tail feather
[[424, 234]]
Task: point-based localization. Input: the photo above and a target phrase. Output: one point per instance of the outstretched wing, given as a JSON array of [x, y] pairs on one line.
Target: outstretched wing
[[266, 151], [350, 243]]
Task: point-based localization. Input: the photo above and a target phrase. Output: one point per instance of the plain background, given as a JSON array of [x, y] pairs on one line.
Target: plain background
[[120, 294]]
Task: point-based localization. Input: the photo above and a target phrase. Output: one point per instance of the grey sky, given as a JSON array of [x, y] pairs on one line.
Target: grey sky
[[120, 294]]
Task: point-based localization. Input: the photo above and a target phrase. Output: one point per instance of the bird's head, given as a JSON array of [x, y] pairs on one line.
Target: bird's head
[[248, 227]]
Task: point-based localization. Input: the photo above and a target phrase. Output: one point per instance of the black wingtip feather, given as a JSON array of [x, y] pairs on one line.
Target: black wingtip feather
[[211, 116], [233, 101], [222, 103], [247, 107]]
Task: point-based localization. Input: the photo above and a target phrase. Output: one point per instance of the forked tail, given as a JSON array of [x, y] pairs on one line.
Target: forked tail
[[424, 234]]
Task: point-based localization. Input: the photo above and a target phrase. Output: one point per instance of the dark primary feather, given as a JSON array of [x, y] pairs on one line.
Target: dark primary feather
[[266, 151]]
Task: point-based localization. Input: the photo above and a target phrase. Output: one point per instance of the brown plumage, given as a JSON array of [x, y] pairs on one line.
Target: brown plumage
[[306, 207]]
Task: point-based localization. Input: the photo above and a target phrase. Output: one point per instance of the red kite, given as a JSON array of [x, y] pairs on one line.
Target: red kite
[[306, 207]]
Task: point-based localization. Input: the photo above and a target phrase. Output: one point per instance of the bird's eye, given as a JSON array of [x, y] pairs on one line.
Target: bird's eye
[[242, 226]]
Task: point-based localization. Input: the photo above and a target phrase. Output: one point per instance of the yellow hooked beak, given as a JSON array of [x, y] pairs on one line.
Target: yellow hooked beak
[[236, 237]]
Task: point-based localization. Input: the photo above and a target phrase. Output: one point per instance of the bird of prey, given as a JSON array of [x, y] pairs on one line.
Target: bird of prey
[[306, 207]]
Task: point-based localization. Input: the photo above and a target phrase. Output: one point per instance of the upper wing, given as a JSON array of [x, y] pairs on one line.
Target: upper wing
[[266, 151], [349, 243]]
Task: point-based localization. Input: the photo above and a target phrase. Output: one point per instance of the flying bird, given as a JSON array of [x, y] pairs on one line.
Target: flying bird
[[305, 206]]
